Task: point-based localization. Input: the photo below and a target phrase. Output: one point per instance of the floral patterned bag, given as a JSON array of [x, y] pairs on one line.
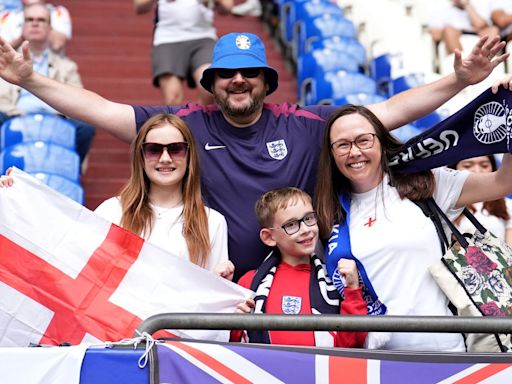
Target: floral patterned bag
[[475, 273]]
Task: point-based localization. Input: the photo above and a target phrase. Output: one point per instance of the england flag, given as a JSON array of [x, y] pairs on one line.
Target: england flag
[[67, 275]]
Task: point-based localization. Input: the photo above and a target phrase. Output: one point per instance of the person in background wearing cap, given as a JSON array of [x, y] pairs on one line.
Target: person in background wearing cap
[[183, 41], [247, 147]]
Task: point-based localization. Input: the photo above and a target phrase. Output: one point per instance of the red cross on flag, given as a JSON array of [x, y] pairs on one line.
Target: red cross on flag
[[67, 275]]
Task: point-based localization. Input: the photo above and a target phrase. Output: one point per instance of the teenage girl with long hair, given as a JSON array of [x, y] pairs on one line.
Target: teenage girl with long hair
[[161, 200]]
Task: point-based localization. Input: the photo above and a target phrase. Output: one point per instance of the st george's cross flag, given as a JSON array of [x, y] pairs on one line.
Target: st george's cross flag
[[67, 275]]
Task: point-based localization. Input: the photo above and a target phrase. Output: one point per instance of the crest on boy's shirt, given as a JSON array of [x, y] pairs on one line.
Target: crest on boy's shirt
[[490, 123], [291, 305], [277, 149]]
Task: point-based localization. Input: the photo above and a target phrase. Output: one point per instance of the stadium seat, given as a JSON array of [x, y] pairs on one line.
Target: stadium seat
[[38, 127], [406, 82], [384, 68], [326, 25], [327, 87], [360, 98], [62, 185], [9, 5], [323, 60], [406, 132], [292, 11], [428, 121], [345, 44], [39, 156]]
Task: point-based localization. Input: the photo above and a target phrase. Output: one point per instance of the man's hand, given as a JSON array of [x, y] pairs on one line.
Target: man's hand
[[483, 58], [15, 67]]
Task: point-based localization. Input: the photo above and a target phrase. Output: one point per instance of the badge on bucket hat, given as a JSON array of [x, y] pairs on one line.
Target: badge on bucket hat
[[243, 42]]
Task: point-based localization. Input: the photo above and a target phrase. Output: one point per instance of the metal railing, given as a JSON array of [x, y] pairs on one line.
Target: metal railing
[[357, 323]]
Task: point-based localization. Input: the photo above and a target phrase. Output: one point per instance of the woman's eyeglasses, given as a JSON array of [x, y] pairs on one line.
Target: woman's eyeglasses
[[293, 226], [250, 73], [153, 151], [343, 147]]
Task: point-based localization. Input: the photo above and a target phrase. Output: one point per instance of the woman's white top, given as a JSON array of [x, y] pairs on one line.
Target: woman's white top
[[397, 243], [167, 230]]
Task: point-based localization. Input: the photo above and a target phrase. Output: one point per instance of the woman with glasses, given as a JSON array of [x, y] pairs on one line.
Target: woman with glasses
[[367, 213], [162, 199]]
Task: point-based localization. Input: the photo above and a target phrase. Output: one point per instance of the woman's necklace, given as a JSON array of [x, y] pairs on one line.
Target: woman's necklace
[[161, 212]]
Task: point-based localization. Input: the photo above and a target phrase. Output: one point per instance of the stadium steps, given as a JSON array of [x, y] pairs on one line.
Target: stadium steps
[[111, 45]]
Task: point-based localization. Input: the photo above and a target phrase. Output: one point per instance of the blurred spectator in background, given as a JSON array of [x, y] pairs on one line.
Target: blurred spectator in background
[[247, 8], [496, 215], [17, 101], [461, 16], [501, 16], [183, 42], [11, 25]]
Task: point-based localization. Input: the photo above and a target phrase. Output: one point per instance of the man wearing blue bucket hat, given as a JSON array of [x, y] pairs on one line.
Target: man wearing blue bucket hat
[[248, 146]]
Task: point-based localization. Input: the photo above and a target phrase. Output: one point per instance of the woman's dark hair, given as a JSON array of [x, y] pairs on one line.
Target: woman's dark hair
[[496, 208], [331, 182]]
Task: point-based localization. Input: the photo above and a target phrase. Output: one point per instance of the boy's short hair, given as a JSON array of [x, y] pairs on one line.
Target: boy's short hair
[[272, 201]]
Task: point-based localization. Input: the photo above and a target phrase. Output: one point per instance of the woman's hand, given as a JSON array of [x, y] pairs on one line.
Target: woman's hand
[[505, 82]]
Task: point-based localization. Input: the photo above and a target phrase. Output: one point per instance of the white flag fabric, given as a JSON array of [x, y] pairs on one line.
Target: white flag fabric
[[67, 275], [55, 365]]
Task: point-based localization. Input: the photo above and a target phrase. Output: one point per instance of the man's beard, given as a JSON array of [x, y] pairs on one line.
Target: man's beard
[[228, 109]]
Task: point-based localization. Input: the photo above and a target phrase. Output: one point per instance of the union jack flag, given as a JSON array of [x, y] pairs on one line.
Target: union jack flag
[[197, 362]]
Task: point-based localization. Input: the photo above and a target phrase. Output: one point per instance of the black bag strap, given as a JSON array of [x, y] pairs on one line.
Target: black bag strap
[[466, 212], [431, 213]]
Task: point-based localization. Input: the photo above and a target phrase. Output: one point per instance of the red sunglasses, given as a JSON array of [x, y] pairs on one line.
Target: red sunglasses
[[153, 151]]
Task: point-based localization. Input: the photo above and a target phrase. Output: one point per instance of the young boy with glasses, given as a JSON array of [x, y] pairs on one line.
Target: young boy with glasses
[[292, 279]]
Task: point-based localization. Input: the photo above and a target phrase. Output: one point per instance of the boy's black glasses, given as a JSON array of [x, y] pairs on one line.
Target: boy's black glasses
[[293, 226], [250, 73], [153, 151]]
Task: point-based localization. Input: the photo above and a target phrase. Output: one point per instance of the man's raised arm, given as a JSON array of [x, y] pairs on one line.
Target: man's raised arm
[[78, 103], [415, 103]]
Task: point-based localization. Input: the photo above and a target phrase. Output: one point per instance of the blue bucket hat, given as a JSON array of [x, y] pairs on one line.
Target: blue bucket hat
[[239, 50]]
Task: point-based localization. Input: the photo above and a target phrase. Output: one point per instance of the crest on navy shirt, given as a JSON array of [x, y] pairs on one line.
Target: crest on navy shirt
[[277, 149], [490, 123], [291, 305]]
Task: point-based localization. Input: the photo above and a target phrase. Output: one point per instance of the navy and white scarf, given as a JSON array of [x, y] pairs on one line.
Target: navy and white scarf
[[338, 247], [324, 298], [483, 127]]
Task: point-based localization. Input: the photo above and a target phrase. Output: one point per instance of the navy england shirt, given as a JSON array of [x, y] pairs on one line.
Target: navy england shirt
[[239, 164]]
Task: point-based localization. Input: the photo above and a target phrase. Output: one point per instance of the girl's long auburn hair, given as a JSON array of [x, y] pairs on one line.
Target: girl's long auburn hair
[[331, 182], [496, 208], [137, 214]]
